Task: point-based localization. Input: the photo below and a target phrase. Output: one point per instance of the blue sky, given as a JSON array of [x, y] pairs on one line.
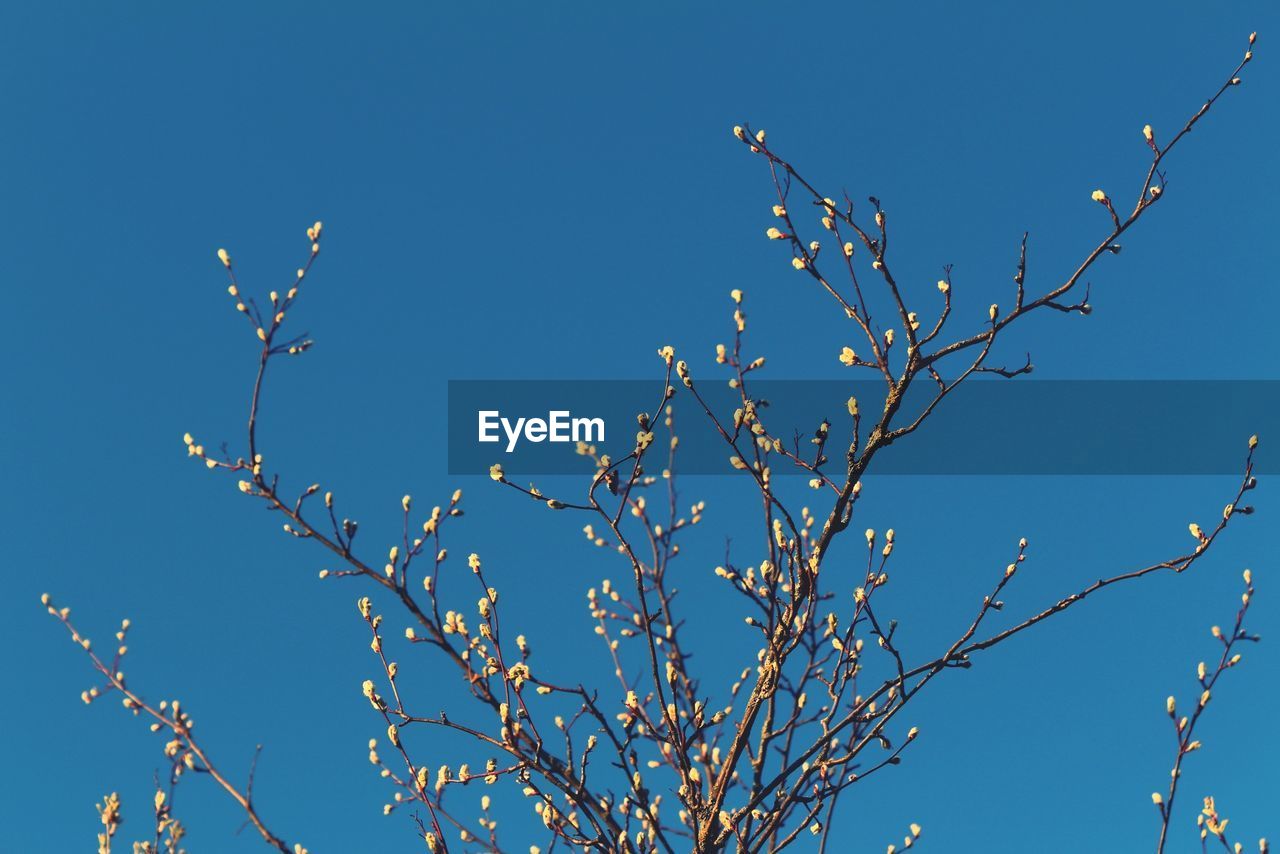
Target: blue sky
[[553, 192]]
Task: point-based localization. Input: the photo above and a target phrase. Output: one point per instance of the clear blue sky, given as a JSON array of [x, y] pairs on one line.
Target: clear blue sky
[[554, 192]]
